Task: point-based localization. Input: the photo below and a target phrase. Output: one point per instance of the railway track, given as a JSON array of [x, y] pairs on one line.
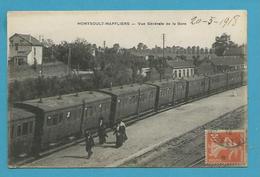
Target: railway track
[[197, 162], [188, 149], [129, 121]]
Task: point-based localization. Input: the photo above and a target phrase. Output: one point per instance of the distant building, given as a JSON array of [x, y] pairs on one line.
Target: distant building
[[24, 49], [174, 52], [229, 63], [181, 68], [144, 71], [221, 64]]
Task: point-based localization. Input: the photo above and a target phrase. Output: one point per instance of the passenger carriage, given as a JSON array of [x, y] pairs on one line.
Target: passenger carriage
[[234, 78], [218, 82], [96, 105], [21, 132], [67, 116], [129, 100], [180, 90], [164, 93], [197, 86]]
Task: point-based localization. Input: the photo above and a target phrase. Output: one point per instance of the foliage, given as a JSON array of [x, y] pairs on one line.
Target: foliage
[[45, 87], [222, 43], [110, 66]]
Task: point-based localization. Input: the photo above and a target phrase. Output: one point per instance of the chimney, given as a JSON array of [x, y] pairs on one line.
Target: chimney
[[30, 38]]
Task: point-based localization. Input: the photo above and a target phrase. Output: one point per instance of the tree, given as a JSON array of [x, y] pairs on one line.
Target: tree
[[140, 46], [222, 43], [145, 47], [116, 47], [81, 53]]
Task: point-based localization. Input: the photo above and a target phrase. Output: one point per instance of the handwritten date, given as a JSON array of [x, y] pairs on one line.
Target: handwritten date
[[224, 22]]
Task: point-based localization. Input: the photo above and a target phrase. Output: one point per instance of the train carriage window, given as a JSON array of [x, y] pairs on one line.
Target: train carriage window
[[49, 120], [90, 111], [68, 115], [55, 118], [151, 94], [133, 99], [25, 128], [106, 107], [168, 91], [19, 130], [30, 126], [103, 107], [95, 109], [125, 101], [60, 116], [142, 97], [130, 100]]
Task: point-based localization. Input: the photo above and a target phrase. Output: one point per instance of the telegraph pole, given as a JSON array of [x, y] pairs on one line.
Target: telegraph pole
[[69, 61], [163, 44], [104, 45], [161, 62]]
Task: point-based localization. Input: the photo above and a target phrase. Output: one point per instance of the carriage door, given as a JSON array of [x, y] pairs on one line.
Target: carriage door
[[88, 111]]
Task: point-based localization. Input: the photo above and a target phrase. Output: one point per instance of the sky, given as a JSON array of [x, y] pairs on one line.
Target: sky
[[181, 28]]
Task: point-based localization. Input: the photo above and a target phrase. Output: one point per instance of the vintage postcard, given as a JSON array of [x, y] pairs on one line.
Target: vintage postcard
[[127, 88]]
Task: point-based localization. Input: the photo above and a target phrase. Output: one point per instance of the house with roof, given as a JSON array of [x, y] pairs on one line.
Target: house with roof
[[221, 64], [229, 63], [181, 68], [24, 49]]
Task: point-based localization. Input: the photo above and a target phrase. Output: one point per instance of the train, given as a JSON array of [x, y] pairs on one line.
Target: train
[[36, 125]]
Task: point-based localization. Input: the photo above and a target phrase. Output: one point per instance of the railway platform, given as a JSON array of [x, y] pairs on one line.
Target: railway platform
[[147, 134]]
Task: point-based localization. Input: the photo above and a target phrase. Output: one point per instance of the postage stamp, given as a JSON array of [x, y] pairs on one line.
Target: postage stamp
[[227, 147]]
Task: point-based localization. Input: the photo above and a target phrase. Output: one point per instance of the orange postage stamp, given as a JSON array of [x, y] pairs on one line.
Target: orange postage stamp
[[225, 147]]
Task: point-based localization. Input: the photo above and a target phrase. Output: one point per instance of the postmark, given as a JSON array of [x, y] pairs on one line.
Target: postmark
[[227, 147]]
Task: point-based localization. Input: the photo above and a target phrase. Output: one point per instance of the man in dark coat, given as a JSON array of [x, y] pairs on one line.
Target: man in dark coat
[[102, 134], [102, 131], [89, 143], [119, 136]]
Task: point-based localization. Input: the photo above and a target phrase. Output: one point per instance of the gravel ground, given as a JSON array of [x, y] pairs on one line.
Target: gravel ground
[[188, 149]]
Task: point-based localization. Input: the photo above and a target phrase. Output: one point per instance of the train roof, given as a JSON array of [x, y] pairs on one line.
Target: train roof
[[194, 78], [217, 74], [120, 90], [18, 114], [53, 103], [235, 71], [162, 82]]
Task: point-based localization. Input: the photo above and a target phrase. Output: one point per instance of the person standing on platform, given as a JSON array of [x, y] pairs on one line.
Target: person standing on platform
[[122, 129], [102, 131], [89, 143], [119, 136]]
